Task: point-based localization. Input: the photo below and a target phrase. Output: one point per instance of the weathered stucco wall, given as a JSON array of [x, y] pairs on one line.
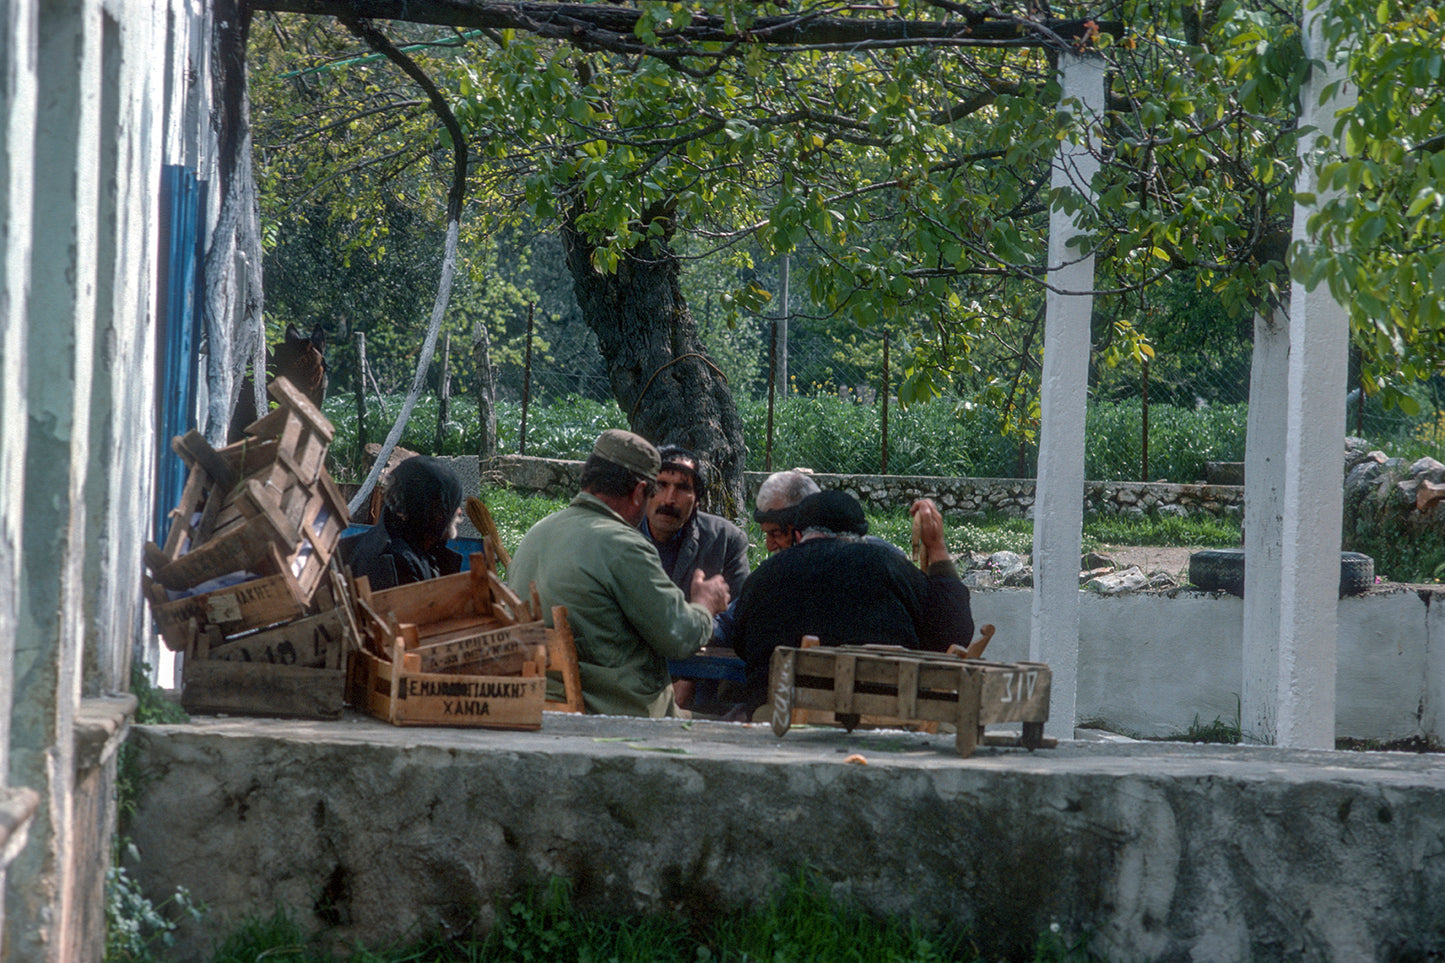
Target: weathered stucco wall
[[1169, 852], [82, 87]]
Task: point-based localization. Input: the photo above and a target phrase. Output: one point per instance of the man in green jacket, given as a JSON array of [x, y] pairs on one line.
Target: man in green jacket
[[627, 616]]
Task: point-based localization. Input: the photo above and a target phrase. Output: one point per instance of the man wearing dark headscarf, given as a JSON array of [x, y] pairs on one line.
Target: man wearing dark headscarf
[[418, 515], [835, 584]]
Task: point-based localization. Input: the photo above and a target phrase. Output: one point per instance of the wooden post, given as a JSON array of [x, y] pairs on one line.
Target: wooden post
[[526, 385], [884, 468], [780, 328], [772, 387], [444, 391], [1144, 429], [360, 398], [486, 392]]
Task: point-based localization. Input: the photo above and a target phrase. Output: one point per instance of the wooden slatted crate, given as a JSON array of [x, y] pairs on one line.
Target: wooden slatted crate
[[295, 669], [461, 650], [255, 530], [913, 686], [396, 690]]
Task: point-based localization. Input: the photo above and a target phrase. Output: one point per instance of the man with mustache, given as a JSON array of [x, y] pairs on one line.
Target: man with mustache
[[626, 614], [685, 537], [689, 540]]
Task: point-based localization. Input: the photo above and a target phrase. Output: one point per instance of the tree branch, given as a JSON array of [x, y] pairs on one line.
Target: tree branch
[[608, 27], [378, 42]]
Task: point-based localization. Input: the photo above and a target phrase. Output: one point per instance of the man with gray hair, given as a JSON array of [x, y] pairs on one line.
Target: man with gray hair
[[846, 590], [778, 497], [777, 501], [627, 616]]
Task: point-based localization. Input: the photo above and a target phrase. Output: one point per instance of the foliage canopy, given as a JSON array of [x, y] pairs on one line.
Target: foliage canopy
[[909, 179]]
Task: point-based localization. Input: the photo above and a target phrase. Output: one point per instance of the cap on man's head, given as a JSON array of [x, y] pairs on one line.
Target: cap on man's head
[[630, 451], [836, 511]]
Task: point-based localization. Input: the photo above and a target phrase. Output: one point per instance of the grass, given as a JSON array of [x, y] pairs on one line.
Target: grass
[[803, 924]]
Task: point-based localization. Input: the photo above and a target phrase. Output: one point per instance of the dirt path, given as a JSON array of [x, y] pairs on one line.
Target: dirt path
[[1152, 558]]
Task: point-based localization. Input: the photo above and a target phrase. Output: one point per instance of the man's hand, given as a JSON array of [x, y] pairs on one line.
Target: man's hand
[[928, 526], [711, 593]]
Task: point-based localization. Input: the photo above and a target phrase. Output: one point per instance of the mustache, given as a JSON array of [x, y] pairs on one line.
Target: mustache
[[668, 510]]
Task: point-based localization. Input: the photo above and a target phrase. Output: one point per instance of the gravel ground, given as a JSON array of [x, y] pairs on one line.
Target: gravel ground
[[1152, 558]]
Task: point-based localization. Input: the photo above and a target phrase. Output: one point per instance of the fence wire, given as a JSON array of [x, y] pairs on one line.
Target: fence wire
[[832, 414]]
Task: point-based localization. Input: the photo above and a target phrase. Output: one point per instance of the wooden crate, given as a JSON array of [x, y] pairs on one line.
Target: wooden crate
[[913, 686], [395, 690], [237, 608], [295, 669], [460, 650], [263, 511]]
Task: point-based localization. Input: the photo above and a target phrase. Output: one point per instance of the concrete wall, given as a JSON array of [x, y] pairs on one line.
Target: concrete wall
[[83, 94], [17, 165], [363, 831], [1151, 663]]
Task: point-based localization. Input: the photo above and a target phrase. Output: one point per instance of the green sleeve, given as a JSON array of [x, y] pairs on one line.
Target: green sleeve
[[670, 625]]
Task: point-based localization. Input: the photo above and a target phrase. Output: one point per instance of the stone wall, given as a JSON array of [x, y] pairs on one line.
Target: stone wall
[[1389, 498], [957, 497]]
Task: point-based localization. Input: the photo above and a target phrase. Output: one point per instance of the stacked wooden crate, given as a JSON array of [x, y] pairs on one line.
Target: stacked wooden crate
[[460, 650], [251, 546]]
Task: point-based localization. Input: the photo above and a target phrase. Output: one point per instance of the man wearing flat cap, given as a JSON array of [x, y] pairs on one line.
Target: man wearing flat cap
[[846, 590], [627, 616]]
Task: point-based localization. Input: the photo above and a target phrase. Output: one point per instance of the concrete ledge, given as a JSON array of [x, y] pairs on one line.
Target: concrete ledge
[[17, 808], [1168, 851], [100, 728]]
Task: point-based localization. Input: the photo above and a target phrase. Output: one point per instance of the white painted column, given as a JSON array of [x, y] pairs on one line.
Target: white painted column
[[50, 629], [1314, 473], [1263, 524], [1059, 497], [17, 168], [122, 425]]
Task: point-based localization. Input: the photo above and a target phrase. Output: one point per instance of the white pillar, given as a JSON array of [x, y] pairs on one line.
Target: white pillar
[[1263, 524], [17, 166], [1059, 496], [50, 629], [1314, 472]]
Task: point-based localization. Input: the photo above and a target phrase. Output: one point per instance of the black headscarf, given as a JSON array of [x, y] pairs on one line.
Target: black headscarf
[[422, 498]]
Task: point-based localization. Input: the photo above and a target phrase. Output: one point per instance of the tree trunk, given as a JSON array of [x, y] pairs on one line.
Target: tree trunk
[[235, 334], [661, 376]]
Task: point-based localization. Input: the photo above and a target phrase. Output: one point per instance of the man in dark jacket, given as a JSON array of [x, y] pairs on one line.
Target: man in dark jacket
[[686, 538], [848, 591]]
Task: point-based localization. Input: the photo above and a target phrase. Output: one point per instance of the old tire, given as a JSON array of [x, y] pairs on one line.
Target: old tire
[[1222, 570], [1357, 573], [1218, 570]]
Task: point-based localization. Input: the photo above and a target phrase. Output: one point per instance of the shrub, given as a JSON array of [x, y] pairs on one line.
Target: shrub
[[1181, 440], [828, 433]]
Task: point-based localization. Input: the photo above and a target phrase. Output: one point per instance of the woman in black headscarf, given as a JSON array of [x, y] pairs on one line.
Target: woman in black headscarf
[[409, 544]]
